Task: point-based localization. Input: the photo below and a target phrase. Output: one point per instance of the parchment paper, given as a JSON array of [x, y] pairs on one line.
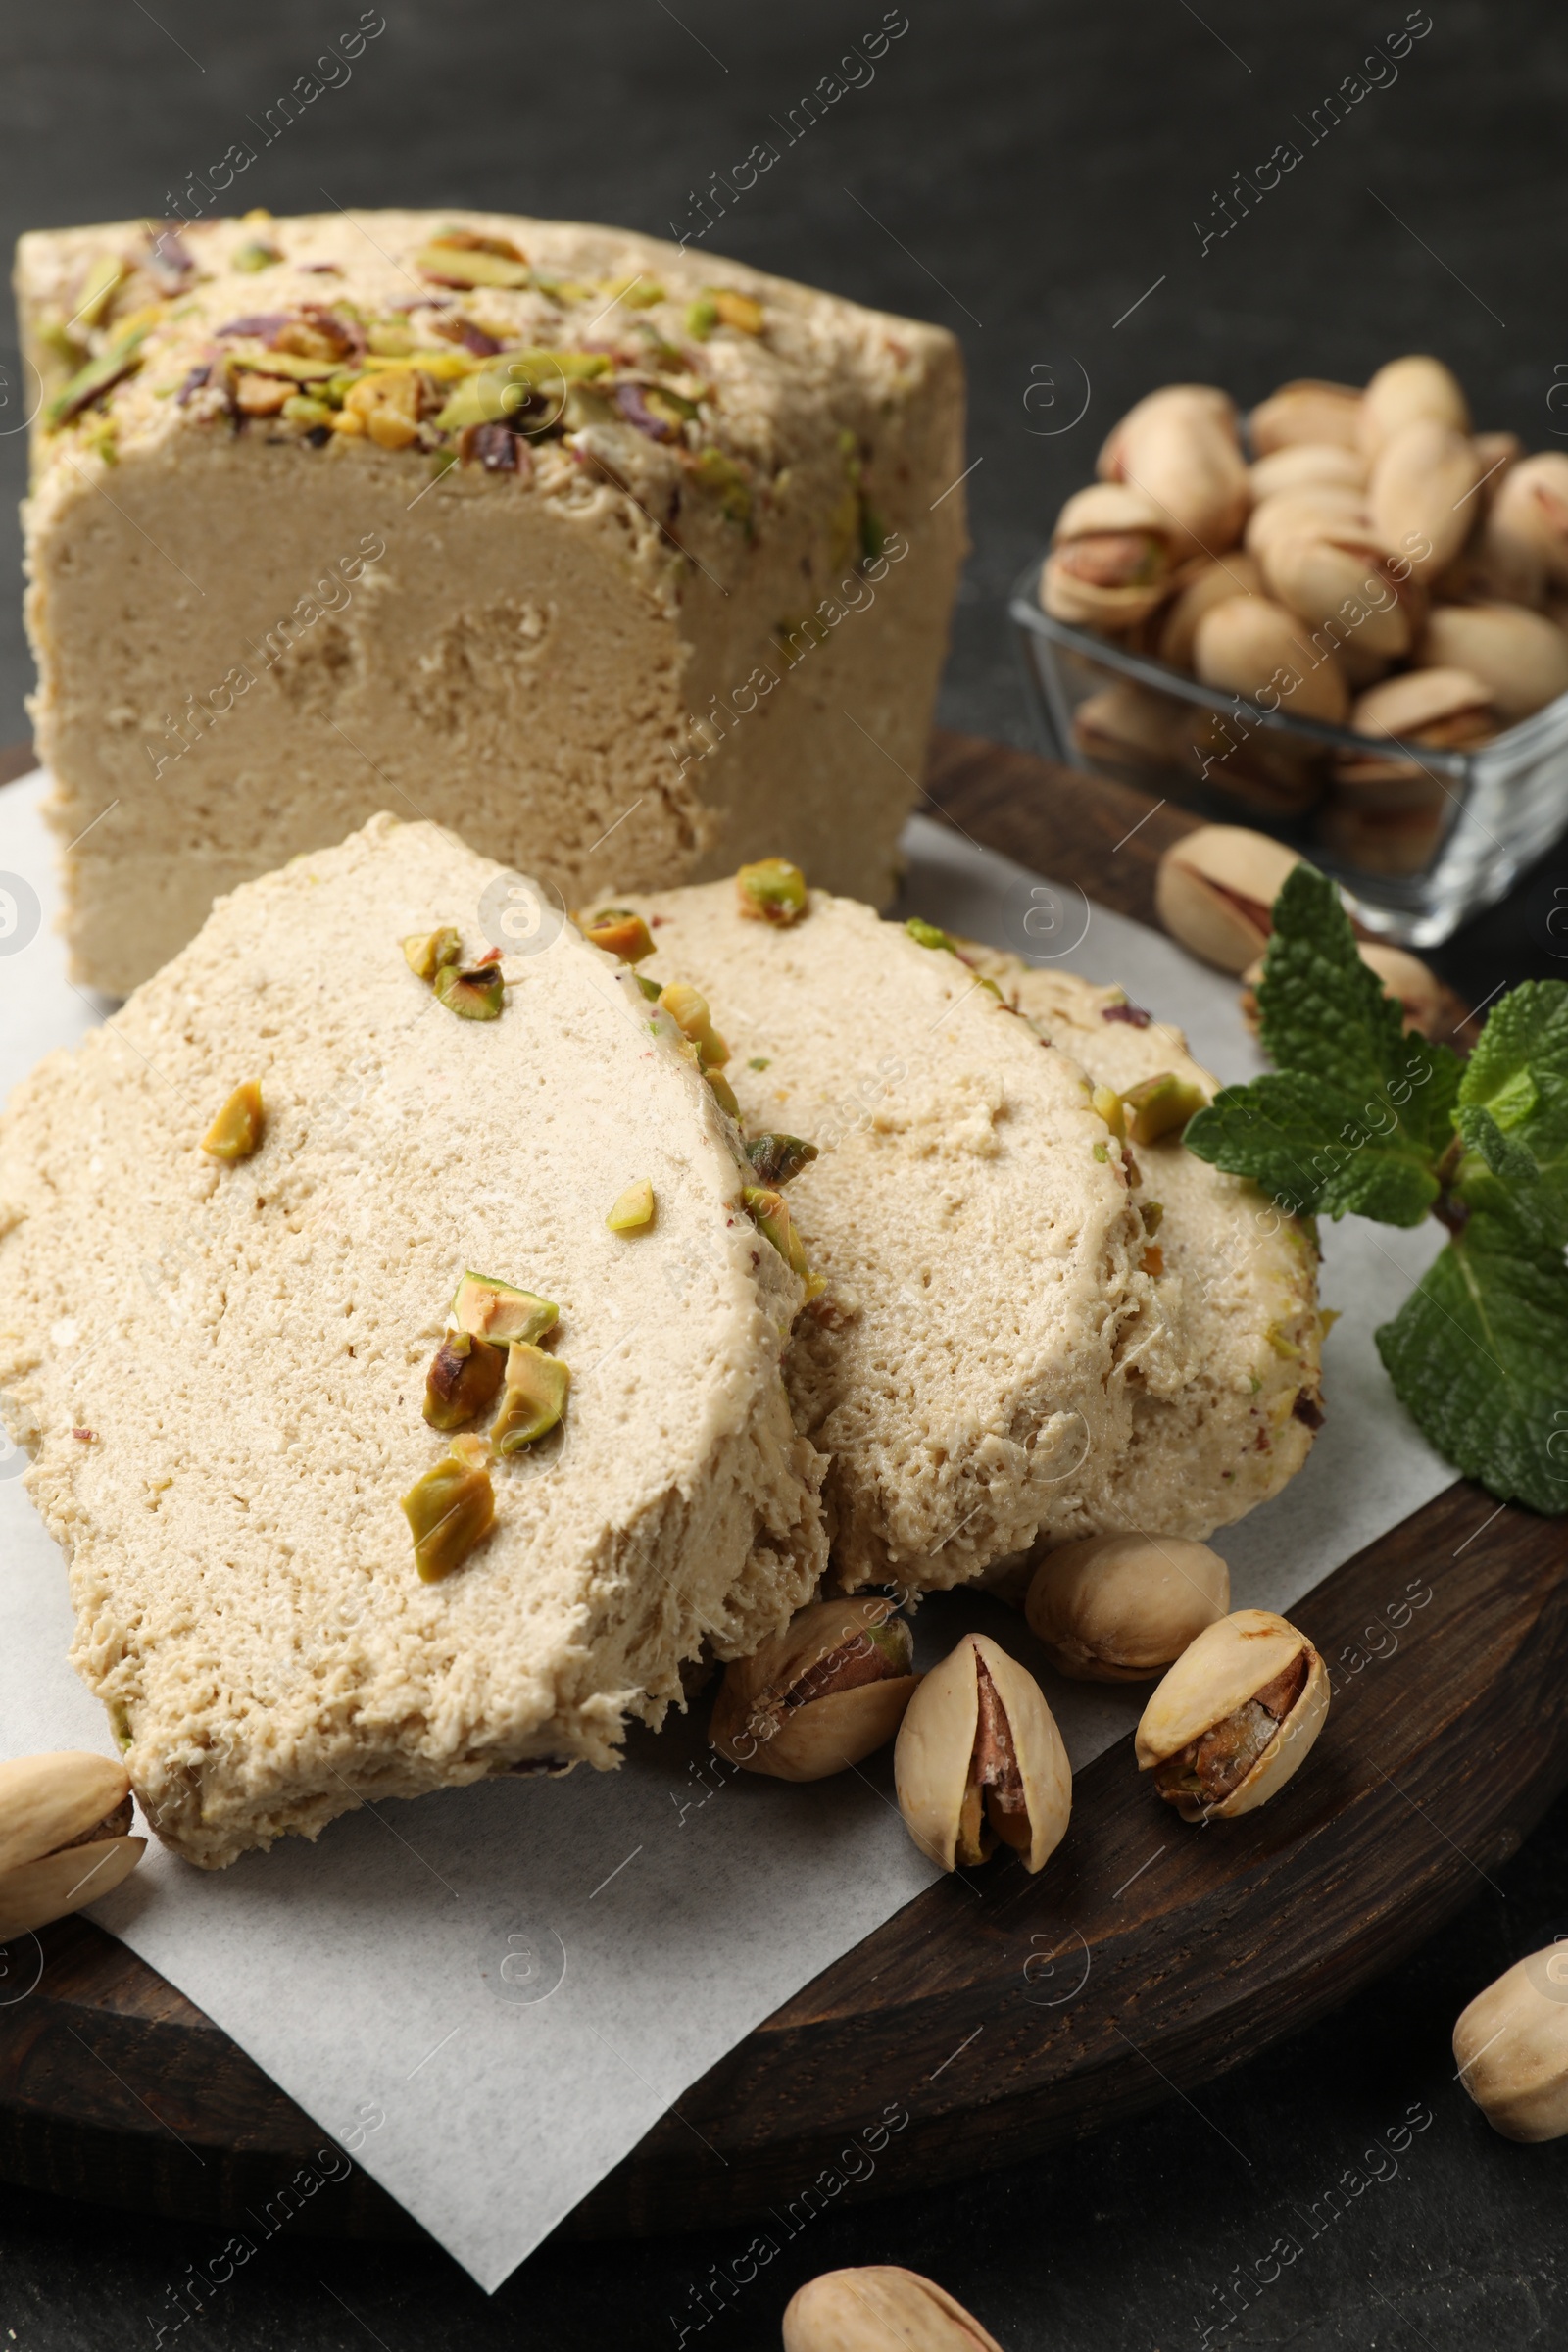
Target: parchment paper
[[490, 1995]]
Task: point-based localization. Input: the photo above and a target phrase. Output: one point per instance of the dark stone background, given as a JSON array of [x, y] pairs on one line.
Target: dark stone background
[[1021, 170]]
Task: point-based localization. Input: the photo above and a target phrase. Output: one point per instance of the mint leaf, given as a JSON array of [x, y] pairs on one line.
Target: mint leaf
[[1477, 1351], [1518, 1076], [1305, 1142], [1502, 1156], [1358, 1115]]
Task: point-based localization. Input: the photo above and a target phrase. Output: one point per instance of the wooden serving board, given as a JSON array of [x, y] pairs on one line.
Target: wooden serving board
[[996, 2014]]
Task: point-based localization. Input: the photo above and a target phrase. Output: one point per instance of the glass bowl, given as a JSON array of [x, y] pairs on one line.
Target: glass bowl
[[1421, 839]]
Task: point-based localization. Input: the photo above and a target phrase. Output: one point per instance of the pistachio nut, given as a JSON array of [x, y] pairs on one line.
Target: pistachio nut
[[1524, 541], [1122, 1608], [1511, 2044], [820, 1696], [473, 995], [929, 935], [687, 1008], [1521, 657], [532, 1399], [772, 891], [1301, 465], [1408, 391], [1235, 574], [1385, 835], [1445, 710], [769, 1212], [1106, 1104], [633, 1208], [1180, 448], [464, 1376], [1128, 726], [1416, 988], [63, 1837], [620, 932], [979, 1758], [1309, 509], [1251, 646], [1234, 1717], [1419, 493], [426, 951], [1340, 584], [1112, 559], [1494, 454], [1161, 1106], [1272, 772], [450, 1508], [236, 1132], [499, 1312], [724, 1094], [1214, 891], [880, 2309], [1306, 410], [776, 1159]]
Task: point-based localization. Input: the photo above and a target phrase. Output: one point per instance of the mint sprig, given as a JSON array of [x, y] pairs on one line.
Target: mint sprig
[[1358, 1116]]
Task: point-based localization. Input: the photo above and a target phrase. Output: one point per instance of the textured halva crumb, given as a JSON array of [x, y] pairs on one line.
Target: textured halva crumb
[[1230, 1404], [972, 1367], [248, 1345], [616, 636]]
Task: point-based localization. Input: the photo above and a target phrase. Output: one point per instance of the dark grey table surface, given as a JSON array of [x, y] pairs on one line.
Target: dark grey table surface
[[1040, 176]]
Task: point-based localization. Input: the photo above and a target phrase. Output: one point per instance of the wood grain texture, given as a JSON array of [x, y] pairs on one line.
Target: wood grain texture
[[996, 2014]]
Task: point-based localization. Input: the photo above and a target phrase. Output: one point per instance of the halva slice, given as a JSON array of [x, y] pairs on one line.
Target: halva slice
[[970, 1362], [382, 1462], [1229, 1402], [573, 540]]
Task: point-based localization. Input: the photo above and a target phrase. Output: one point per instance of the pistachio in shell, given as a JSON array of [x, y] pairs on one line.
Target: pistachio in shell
[[1214, 891], [1306, 512], [1339, 584], [820, 1696], [1522, 551], [880, 2308], [1407, 391], [979, 1759], [1414, 987], [1308, 409], [1442, 710], [1520, 656], [1121, 1608], [1385, 835], [1420, 493], [1128, 725], [1307, 464], [1235, 1716], [1253, 646], [1205, 401], [1180, 448], [1112, 559], [1235, 574], [1511, 2045]]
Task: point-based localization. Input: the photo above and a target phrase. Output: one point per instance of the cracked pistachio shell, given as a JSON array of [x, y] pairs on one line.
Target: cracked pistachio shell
[[845, 1719], [1302, 464], [1407, 391], [1129, 723], [1524, 546], [1308, 409], [58, 1884], [1249, 645], [1521, 657], [46, 1801], [1511, 2045], [1122, 1608], [1195, 403], [1233, 574], [1180, 448], [1128, 528], [880, 2309], [1420, 492], [1215, 1676], [1214, 891], [931, 1762], [1323, 578]]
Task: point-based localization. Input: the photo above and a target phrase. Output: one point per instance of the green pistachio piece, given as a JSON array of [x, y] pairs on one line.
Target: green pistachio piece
[[505, 387], [634, 1208], [1108, 1104], [638, 293], [254, 256], [283, 362], [1152, 1213], [778, 1157], [769, 1214], [98, 289], [473, 995], [428, 950], [1161, 1106], [99, 376], [390, 339], [650, 988], [300, 408], [701, 316], [724, 1093], [449, 1508], [687, 1008], [236, 1131], [620, 932], [761, 1061], [533, 1399], [772, 890], [926, 935], [721, 306], [499, 1312], [464, 1374], [452, 265], [729, 483]]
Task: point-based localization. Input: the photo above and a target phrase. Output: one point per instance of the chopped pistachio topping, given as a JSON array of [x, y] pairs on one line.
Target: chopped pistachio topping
[[769, 1212], [634, 1208], [499, 1312], [772, 890], [721, 306], [98, 289], [1160, 1105], [650, 988], [237, 1129], [98, 376], [474, 996], [464, 1374], [729, 483], [533, 1398], [927, 935], [427, 951], [621, 933], [687, 1008], [459, 260], [1152, 1213], [449, 1509], [1108, 1102], [761, 1061], [254, 256], [723, 1092], [778, 1157]]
